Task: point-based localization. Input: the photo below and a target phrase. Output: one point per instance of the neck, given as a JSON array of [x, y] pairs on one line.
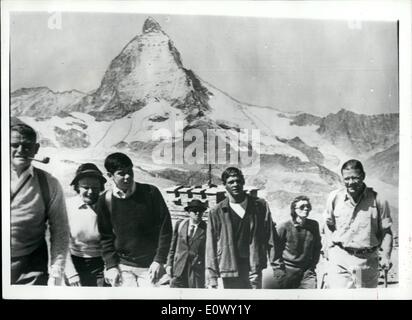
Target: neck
[[20, 170], [237, 199], [356, 195], [300, 221]]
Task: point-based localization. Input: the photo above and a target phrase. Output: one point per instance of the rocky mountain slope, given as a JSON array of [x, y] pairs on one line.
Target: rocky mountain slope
[[147, 99]]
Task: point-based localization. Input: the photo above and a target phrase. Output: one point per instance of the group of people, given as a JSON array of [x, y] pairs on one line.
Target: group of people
[[124, 236]]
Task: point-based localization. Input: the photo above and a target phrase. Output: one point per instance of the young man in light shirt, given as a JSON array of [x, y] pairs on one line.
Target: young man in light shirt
[[135, 227], [240, 235], [30, 215]]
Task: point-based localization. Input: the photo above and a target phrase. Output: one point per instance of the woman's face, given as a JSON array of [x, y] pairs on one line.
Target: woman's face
[[302, 208], [89, 189]]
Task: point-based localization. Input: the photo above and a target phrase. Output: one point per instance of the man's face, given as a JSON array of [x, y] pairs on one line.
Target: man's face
[[22, 148], [353, 179], [234, 185], [123, 178], [89, 189], [195, 214]]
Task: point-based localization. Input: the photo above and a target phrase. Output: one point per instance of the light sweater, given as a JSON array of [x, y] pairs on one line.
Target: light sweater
[[28, 219]]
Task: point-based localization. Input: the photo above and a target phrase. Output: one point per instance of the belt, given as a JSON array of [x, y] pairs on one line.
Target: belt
[[356, 251]]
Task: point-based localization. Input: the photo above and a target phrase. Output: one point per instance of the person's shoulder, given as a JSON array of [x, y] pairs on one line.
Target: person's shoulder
[[312, 223], [52, 181]]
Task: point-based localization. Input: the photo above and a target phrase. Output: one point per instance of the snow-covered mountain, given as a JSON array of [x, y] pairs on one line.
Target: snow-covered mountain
[[146, 90]]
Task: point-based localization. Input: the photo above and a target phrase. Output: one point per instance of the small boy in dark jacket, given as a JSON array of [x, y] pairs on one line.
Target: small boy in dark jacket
[[186, 261]]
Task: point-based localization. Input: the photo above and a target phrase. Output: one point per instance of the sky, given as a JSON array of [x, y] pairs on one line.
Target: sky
[[314, 66]]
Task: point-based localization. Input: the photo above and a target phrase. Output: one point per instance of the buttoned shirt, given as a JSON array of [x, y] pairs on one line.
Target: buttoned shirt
[[357, 225]]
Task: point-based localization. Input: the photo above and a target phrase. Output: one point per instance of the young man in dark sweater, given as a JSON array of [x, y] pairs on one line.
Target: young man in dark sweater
[[135, 227], [297, 248]]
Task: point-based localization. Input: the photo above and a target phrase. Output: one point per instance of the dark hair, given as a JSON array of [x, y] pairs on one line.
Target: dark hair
[[117, 161], [231, 172], [24, 130], [353, 164], [293, 203]]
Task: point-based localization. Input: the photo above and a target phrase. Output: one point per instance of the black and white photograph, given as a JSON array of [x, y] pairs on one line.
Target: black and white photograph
[[190, 150]]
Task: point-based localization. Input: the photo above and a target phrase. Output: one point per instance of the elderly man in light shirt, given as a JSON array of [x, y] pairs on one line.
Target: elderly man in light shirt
[[36, 199]]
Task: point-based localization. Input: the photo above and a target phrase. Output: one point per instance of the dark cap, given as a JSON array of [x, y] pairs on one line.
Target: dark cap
[[196, 203], [88, 170]]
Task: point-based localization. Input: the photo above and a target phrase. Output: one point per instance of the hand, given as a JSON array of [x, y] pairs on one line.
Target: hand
[[112, 276], [156, 270], [74, 281], [385, 263], [54, 281], [169, 271]]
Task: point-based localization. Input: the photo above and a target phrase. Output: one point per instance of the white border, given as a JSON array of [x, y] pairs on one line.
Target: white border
[[330, 10]]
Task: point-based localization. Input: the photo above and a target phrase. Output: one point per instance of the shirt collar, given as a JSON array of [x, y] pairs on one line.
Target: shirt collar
[[121, 194]]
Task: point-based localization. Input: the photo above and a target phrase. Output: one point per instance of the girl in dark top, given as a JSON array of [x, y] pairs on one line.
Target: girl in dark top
[[298, 249]]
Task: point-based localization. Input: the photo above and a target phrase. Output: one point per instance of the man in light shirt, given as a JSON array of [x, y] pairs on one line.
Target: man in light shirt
[[31, 188], [240, 235], [186, 260], [358, 224]]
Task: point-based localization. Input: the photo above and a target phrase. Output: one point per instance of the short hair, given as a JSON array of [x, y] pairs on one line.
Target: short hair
[[117, 161], [353, 164], [232, 172], [294, 202], [24, 130]]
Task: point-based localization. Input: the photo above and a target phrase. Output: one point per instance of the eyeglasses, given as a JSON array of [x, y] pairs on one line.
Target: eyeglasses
[[303, 206]]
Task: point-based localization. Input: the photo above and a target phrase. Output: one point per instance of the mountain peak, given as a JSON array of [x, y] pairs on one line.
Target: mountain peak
[[151, 25]]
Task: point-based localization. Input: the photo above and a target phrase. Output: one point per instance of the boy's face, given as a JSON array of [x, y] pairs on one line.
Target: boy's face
[[123, 178], [89, 189]]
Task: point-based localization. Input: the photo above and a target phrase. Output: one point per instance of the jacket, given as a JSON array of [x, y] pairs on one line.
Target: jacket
[[184, 250], [220, 246]]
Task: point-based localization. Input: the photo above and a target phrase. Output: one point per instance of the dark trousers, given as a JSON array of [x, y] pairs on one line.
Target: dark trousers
[[31, 269], [190, 278], [90, 271], [290, 278], [245, 280]]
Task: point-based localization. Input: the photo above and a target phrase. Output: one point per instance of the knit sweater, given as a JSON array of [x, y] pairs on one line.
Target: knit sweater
[[298, 246], [137, 230], [28, 220]]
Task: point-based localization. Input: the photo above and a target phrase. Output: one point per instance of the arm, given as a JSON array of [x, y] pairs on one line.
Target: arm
[[172, 250], [280, 242], [317, 246], [212, 265], [107, 236], [59, 231], [271, 236], [386, 233], [166, 230]]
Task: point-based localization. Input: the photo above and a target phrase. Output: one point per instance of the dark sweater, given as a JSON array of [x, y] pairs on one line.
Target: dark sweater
[[298, 246], [137, 230]]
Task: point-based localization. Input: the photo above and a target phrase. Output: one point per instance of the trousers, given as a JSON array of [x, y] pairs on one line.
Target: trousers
[[31, 269]]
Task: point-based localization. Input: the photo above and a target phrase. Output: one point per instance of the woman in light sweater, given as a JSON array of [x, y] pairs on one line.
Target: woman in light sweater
[[84, 266]]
